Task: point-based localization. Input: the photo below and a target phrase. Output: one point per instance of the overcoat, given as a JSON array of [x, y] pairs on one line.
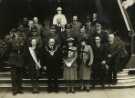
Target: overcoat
[[86, 59], [70, 73]]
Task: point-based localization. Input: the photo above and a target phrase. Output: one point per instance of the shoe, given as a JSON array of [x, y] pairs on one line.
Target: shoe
[[68, 90], [56, 90], [72, 90], [87, 88], [93, 87], [103, 86], [20, 91], [82, 88], [49, 90], [114, 81], [15, 93]]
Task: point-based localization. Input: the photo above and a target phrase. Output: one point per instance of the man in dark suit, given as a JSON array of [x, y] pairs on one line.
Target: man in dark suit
[[99, 67], [52, 60], [113, 50]]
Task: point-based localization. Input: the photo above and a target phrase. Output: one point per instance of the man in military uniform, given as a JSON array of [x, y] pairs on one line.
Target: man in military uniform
[[35, 34], [76, 26], [30, 25], [68, 33], [25, 22], [3, 52], [60, 20], [37, 25], [94, 17], [53, 34], [93, 24], [16, 60]]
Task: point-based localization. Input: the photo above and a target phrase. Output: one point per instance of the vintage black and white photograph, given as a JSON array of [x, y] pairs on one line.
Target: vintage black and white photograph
[[67, 48]]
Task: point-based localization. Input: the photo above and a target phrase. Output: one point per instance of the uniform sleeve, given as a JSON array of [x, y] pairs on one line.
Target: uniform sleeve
[[55, 20], [64, 20]]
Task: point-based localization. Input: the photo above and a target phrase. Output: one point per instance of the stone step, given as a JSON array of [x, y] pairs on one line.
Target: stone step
[[126, 81], [122, 74], [120, 78], [5, 74], [117, 86], [126, 77], [42, 81], [129, 69]]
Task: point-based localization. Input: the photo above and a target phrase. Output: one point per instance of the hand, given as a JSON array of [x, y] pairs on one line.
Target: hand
[[44, 68], [38, 66], [106, 66]]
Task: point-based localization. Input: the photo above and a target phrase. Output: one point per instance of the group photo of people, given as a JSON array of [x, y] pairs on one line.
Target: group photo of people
[[87, 53]]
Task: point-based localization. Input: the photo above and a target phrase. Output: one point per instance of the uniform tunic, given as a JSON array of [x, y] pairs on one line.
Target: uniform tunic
[[76, 26], [17, 48], [59, 19]]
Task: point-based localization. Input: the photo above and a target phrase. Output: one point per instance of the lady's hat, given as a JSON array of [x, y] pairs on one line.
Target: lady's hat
[[71, 39], [59, 9]]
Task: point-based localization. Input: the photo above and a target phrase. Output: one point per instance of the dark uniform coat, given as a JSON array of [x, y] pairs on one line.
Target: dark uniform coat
[[16, 56], [76, 30]]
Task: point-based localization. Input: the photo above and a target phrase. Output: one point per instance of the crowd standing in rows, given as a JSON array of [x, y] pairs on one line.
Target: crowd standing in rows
[[87, 52]]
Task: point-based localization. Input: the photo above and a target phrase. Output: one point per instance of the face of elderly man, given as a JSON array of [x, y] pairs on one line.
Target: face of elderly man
[[30, 23], [94, 16], [51, 42], [82, 30], [97, 40], [111, 38], [35, 19], [98, 28], [83, 43], [33, 42], [75, 18]]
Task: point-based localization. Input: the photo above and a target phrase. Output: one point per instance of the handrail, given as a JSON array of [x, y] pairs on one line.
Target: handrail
[[125, 17], [128, 24]]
